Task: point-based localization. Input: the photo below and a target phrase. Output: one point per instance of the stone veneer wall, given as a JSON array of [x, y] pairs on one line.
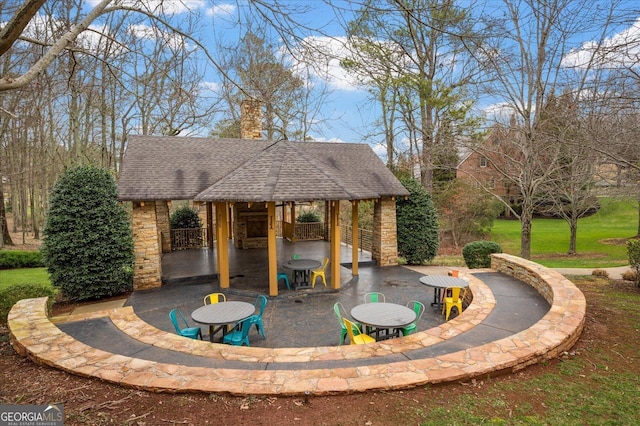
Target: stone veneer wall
[[568, 304], [164, 228], [385, 233], [147, 271]]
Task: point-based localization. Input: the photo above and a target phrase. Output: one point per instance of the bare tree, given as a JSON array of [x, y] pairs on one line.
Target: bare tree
[[258, 69], [524, 58], [413, 53]]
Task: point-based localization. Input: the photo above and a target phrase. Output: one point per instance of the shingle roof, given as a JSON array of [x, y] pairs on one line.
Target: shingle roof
[[206, 169]]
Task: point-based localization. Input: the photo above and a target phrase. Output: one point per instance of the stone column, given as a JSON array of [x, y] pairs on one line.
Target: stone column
[[164, 228], [385, 234], [251, 119], [147, 267]]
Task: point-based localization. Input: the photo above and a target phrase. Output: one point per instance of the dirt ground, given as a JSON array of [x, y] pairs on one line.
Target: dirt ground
[[92, 402]]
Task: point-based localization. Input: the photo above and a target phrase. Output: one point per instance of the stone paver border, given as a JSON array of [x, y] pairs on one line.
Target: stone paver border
[[34, 335]]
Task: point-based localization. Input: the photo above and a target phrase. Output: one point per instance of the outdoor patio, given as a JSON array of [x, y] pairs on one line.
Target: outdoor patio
[[510, 324], [295, 318]]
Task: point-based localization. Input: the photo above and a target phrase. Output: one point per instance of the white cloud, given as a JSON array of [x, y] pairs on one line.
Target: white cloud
[[170, 7], [221, 9], [320, 57], [500, 112], [173, 39], [622, 49], [210, 86]]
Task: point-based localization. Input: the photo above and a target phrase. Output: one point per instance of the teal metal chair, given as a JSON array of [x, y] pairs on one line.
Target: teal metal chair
[[285, 277], [240, 334], [374, 297], [342, 313], [256, 319], [418, 308], [192, 332]]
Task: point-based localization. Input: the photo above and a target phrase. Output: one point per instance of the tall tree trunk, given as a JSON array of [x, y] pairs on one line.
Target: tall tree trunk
[[6, 237], [573, 227]]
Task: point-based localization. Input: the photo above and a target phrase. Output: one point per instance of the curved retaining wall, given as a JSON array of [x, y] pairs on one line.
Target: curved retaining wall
[[34, 335]]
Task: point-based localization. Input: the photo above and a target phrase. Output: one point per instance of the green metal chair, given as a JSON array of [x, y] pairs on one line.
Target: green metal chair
[[192, 332], [374, 297], [418, 308]]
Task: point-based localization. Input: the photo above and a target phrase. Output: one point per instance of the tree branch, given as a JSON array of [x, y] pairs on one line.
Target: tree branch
[[9, 83]]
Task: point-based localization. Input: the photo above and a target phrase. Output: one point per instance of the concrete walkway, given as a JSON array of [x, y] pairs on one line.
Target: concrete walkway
[[507, 327]]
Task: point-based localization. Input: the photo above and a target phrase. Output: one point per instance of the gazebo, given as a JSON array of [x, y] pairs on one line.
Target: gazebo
[[241, 181]]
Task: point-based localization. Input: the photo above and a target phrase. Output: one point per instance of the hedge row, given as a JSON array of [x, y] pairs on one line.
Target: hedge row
[[12, 259]]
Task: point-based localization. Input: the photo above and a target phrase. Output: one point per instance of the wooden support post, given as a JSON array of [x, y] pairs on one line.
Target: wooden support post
[[271, 247], [223, 244]]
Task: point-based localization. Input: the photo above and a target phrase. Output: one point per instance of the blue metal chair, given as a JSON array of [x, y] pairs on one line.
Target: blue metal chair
[[418, 308], [256, 319], [240, 334], [187, 331], [285, 277]]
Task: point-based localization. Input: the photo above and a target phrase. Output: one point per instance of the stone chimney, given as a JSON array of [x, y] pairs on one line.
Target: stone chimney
[[251, 119]]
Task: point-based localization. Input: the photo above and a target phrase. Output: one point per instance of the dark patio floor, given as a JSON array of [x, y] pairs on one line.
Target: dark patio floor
[[296, 318]]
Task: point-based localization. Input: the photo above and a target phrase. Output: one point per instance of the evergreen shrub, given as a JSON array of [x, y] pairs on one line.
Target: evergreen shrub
[[185, 218], [308, 217], [88, 242], [417, 224], [476, 253], [11, 259]]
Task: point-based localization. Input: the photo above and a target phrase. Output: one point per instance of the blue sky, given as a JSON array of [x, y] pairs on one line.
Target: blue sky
[[349, 112]]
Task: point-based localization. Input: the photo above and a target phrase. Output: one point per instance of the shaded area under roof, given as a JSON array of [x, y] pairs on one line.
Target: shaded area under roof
[[206, 169]]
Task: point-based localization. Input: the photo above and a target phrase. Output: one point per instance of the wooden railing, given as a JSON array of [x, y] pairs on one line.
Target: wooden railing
[[309, 231], [187, 238], [365, 237]]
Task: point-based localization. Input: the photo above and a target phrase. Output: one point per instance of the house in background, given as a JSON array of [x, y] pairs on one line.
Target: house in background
[[486, 165], [242, 182]]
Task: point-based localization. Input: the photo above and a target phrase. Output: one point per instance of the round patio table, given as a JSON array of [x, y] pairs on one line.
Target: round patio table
[[440, 282], [383, 316], [222, 314], [303, 266]]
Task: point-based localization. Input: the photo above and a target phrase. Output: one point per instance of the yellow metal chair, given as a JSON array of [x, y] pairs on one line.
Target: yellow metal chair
[[452, 298], [355, 335], [320, 273], [212, 298]]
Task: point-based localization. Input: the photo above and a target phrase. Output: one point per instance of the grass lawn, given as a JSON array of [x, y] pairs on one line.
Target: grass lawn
[[601, 237], [9, 277]]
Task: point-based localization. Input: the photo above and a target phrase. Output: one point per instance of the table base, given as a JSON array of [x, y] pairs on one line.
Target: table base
[[383, 333], [437, 297]]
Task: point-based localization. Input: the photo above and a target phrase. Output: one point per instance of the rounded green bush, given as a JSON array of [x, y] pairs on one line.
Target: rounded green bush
[[10, 295], [185, 218], [476, 253], [308, 217], [88, 240], [417, 224]]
